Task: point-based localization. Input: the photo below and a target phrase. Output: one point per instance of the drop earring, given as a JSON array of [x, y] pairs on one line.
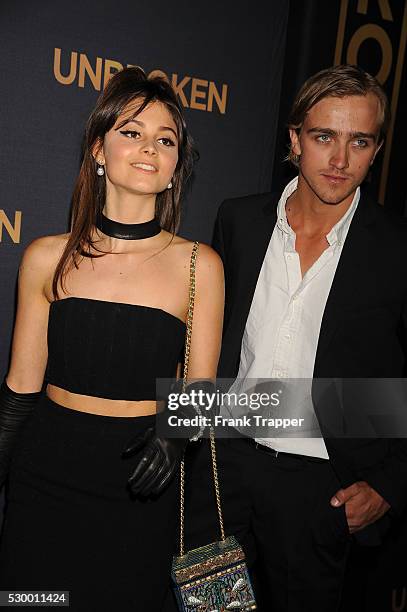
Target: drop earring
[[100, 171], [169, 186]]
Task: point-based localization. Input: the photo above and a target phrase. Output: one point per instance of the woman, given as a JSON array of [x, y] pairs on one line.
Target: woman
[[105, 306]]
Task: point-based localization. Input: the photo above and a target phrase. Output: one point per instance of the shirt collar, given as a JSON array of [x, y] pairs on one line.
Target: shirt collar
[[281, 214], [339, 230]]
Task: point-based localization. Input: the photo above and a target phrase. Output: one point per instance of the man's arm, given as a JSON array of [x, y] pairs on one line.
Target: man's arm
[[390, 477], [384, 486]]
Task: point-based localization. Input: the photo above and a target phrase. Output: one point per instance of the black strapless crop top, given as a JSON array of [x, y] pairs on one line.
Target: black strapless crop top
[[112, 350]]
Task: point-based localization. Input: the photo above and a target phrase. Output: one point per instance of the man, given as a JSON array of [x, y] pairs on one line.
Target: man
[[316, 287]]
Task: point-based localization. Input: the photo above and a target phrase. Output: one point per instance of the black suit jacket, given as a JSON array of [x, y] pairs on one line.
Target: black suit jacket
[[363, 331]]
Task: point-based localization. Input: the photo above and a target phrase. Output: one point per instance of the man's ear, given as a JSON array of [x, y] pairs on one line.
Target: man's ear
[[98, 153], [295, 141]]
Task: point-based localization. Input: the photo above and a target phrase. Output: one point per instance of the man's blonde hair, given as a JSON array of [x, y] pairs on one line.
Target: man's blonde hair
[[337, 82]]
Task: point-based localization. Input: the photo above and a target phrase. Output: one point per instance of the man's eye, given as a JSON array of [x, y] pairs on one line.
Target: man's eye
[[323, 138], [167, 142], [361, 143], [130, 133]]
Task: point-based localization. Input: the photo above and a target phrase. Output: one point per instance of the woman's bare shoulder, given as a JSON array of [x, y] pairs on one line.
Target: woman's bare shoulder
[[207, 256], [209, 266], [43, 253]]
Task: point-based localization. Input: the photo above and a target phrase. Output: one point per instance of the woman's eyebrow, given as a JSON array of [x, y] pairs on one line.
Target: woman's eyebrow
[[143, 125]]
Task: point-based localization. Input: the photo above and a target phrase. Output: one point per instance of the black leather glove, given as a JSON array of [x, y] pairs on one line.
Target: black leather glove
[[14, 410], [162, 453]]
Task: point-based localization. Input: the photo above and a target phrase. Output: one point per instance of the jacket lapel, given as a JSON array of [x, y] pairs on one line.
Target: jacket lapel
[[351, 274]]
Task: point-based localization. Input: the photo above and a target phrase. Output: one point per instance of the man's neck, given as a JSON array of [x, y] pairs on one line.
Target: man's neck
[[309, 215]]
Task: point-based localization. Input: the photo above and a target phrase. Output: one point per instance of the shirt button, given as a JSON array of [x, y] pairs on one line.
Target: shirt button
[[288, 257], [287, 337]]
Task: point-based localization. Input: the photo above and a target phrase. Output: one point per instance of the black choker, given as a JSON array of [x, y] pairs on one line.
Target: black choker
[[127, 231]]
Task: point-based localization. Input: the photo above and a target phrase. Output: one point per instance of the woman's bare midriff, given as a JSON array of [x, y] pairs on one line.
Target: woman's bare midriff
[[100, 405]]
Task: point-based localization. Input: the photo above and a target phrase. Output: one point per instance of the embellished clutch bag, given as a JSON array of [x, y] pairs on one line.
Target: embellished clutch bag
[[212, 578]]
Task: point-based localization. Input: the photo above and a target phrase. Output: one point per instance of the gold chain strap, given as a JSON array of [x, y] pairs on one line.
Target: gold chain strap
[[216, 483], [190, 315], [188, 337]]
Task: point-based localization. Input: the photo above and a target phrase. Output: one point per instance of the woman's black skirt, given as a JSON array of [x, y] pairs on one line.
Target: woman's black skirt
[[71, 524]]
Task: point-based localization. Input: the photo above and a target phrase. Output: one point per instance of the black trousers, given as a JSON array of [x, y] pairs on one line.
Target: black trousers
[[295, 542]]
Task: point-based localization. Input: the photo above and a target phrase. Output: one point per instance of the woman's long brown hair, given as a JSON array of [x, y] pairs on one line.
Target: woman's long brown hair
[[89, 195]]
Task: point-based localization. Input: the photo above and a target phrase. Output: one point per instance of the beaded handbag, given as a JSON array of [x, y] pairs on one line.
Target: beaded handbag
[[212, 578]]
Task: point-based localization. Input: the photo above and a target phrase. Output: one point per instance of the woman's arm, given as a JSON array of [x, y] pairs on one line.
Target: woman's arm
[[21, 390], [161, 454], [208, 315], [29, 347]]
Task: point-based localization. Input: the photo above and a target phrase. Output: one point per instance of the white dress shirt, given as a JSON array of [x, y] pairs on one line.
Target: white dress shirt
[[282, 330]]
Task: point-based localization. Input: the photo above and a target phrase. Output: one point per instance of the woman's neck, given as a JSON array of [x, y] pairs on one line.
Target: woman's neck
[[128, 207]]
